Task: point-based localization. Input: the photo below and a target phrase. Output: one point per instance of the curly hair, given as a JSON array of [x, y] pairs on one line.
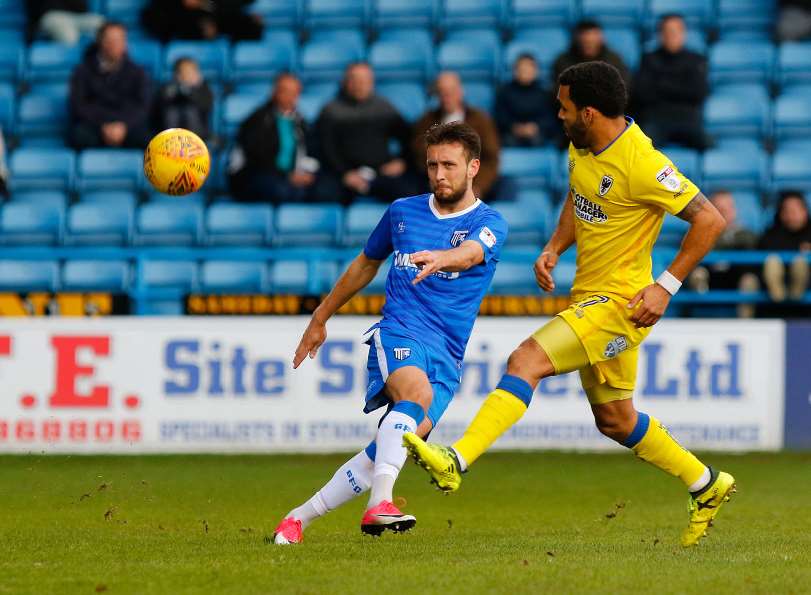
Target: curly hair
[[598, 85]]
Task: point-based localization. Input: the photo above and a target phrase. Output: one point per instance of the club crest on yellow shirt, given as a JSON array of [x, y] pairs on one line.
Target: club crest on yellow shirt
[[605, 185]]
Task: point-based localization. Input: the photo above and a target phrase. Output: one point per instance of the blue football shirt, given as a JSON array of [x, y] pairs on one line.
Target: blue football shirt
[[441, 309]]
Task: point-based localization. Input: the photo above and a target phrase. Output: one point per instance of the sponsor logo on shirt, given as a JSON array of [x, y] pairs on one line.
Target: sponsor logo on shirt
[[605, 185], [459, 237], [487, 237], [586, 210], [402, 260], [668, 178]]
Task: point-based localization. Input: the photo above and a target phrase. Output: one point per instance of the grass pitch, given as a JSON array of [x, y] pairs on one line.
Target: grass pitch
[[522, 523]]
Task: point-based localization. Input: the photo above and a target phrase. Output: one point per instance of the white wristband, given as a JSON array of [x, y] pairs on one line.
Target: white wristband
[[669, 282]]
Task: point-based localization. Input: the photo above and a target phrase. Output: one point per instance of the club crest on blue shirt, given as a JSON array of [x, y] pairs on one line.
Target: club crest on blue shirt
[[459, 237], [605, 185], [401, 227], [401, 353]]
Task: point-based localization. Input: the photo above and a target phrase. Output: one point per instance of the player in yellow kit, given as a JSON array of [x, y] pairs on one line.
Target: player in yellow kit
[[619, 190]]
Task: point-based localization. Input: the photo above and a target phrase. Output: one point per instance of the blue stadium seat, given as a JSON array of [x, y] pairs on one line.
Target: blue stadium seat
[[378, 284], [117, 198], [735, 167], [8, 101], [126, 11], [237, 107], [43, 168], [403, 13], [12, 14], [750, 212], [688, 162], [49, 197], [278, 13], [223, 276], [544, 44], [746, 15], [238, 224], [529, 168], [542, 13], [308, 225], [741, 62], [459, 14], [514, 278], [672, 232], [794, 63], [359, 221], [480, 95], [326, 14], [148, 54], [42, 115], [474, 54], [738, 111], [698, 14], [792, 114], [49, 61], [170, 275], [301, 277], [263, 60], [30, 223], [417, 36], [314, 98], [168, 223], [212, 56], [12, 59], [29, 275], [790, 168], [110, 169], [409, 98], [614, 13], [400, 60], [527, 226], [324, 58], [98, 223], [96, 275], [626, 43]]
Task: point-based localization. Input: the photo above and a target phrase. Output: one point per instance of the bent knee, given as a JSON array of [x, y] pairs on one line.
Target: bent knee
[[530, 362], [616, 427]]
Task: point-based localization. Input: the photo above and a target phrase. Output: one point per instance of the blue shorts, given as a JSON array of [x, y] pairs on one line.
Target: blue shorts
[[391, 350]]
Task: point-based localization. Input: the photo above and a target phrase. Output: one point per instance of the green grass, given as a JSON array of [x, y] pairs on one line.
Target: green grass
[[522, 523]]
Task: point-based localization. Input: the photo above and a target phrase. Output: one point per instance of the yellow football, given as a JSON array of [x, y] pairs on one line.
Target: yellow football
[[176, 162]]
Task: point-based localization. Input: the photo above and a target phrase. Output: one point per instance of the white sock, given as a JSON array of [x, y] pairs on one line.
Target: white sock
[[391, 454], [350, 480], [461, 459], [702, 481]]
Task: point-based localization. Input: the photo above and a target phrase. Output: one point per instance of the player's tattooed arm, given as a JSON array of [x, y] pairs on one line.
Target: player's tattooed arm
[[695, 206]]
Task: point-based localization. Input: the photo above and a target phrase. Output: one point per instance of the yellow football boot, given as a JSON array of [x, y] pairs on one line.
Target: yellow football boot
[[705, 505], [439, 461]]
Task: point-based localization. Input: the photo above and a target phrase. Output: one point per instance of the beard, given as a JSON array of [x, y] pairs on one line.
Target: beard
[[449, 199], [577, 133]]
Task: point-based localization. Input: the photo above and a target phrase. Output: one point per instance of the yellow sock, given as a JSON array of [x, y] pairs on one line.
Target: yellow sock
[[499, 411], [651, 442]]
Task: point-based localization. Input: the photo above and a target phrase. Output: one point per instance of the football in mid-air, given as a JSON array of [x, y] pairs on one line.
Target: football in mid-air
[[176, 162]]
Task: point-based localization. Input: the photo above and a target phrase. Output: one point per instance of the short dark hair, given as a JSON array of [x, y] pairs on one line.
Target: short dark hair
[[455, 132], [596, 84], [586, 25], [666, 17], [106, 26], [525, 56], [181, 61]]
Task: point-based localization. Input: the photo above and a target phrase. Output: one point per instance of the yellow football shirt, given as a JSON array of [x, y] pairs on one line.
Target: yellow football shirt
[[620, 196]]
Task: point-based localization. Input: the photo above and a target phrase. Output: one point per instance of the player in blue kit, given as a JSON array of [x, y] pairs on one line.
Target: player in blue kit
[[445, 246]]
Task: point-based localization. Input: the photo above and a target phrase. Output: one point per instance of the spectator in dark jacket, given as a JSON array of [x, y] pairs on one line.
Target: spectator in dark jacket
[[791, 231], [61, 20], [110, 95], [185, 101], [271, 160], [355, 132], [201, 19], [671, 88], [588, 44], [523, 111], [452, 107]]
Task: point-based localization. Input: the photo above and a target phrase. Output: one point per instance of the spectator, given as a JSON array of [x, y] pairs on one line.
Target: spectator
[[794, 22], [722, 275], [522, 111], [791, 231], [110, 95], [671, 87], [3, 168], [270, 161], [200, 19], [452, 108], [356, 131], [61, 20], [588, 44], [186, 100]]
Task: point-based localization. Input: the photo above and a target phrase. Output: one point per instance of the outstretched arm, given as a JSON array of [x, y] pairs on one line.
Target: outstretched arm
[[468, 254], [359, 274], [561, 239], [706, 224]]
